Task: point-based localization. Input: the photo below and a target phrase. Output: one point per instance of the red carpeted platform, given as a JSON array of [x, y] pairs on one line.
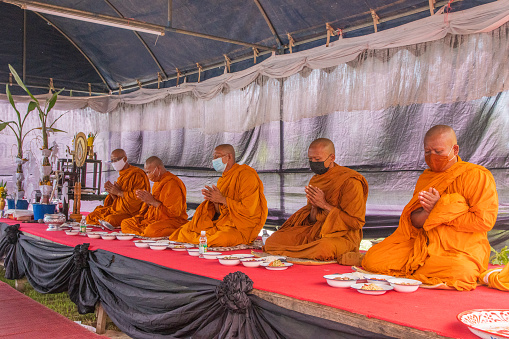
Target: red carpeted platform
[[22, 317], [430, 310]]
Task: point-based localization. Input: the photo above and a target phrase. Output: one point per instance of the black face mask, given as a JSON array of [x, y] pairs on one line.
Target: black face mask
[[318, 167]]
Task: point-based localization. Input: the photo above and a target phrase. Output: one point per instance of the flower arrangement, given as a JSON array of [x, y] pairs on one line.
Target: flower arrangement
[[3, 189]]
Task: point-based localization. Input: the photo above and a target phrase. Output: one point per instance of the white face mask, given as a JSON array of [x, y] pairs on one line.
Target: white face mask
[[118, 165]]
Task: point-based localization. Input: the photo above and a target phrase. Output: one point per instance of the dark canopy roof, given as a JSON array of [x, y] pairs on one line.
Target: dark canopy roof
[[76, 53]]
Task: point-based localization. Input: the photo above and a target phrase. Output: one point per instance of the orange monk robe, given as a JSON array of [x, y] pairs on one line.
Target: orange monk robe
[[452, 247], [334, 233], [115, 208], [165, 219], [496, 278], [239, 222]]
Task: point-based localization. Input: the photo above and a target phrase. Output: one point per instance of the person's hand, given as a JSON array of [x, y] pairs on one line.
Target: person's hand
[[316, 197], [114, 189], [428, 199], [146, 197], [213, 194]]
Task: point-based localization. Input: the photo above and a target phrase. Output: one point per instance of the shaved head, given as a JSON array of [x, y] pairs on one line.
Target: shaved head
[[442, 131], [153, 160], [226, 149], [325, 144], [118, 154]]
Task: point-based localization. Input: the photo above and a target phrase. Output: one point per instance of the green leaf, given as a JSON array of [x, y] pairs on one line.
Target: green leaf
[[51, 129], [52, 102], [3, 125], [31, 106], [500, 258], [21, 84], [11, 99]]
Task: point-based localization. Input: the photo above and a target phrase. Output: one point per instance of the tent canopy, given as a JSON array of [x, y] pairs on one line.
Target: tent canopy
[[76, 53]]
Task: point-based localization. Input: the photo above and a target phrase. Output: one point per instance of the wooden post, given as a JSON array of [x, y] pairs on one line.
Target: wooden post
[[19, 284], [102, 318]]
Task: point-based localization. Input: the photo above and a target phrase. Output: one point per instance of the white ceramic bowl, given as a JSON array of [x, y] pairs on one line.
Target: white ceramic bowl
[[211, 255], [158, 247], [228, 260], [340, 280], [108, 236], [194, 252], [94, 235], [404, 285], [276, 268], [125, 236], [72, 232], [252, 262], [384, 288], [143, 243], [378, 278], [180, 247]]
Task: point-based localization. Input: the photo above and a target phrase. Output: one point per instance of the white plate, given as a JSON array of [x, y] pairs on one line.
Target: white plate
[[352, 279], [276, 268], [239, 256], [374, 292], [378, 278], [72, 232], [273, 257], [211, 255], [399, 285], [489, 324], [251, 262], [158, 247]]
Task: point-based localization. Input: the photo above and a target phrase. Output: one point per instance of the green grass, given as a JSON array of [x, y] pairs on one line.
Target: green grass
[[58, 302]]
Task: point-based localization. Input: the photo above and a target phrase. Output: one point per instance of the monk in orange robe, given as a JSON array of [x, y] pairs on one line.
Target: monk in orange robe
[[121, 202], [442, 233], [330, 225], [496, 278], [164, 210], [234, 212]]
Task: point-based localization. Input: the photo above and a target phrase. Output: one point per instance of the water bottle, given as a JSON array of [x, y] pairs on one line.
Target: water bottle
[[83, 225], [203, 243], [265, 235]]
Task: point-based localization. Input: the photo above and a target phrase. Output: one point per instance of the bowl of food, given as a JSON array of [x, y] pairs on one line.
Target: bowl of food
[[158, 247], [72, 232], [252, 262], [180, 247], [229, 260], [341, 280], [276, 265], [143, 243], [378, 278], [372, 288], [95, 235], [125, 236], [211, 255], [108, 236], [193, 252], [404, 285]]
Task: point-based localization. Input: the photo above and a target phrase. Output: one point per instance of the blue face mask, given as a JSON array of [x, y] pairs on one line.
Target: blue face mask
[[218, 165]]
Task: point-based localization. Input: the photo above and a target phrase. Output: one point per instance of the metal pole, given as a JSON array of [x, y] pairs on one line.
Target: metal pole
[[24, 45], [269, 23], [170, 12]]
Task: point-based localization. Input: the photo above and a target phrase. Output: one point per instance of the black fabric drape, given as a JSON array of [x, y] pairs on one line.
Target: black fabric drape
[[150, 301], [8, 249]]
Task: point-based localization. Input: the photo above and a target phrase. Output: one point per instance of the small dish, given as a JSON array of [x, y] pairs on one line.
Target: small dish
[[211, 255], [158, 247], [72, 232], [341, 280], [382, 288], [194, 252], [404, 285], [94, 235], [180, 247], [108, 236], [143, 243], [252, 262], [276, 268], [125, 236], [486, 323], [378, 278]]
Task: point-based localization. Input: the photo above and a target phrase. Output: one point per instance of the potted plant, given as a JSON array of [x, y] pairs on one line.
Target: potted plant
[[17, 128], [46, 128], [3, 194]]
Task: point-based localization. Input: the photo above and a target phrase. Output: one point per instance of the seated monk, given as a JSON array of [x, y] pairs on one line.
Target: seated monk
[[496, 278], [164, 210], [234, 212], [330, 225], [441, 238], [121, 202]]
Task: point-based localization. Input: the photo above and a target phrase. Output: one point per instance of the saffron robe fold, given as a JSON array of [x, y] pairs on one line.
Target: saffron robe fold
[[116, 209], [496, 278], [452, 247], [163, 220], [237, 223], [334, 233]]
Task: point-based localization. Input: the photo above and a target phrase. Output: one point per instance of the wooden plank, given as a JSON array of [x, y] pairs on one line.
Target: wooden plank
[[102, 318], [345, 317]]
